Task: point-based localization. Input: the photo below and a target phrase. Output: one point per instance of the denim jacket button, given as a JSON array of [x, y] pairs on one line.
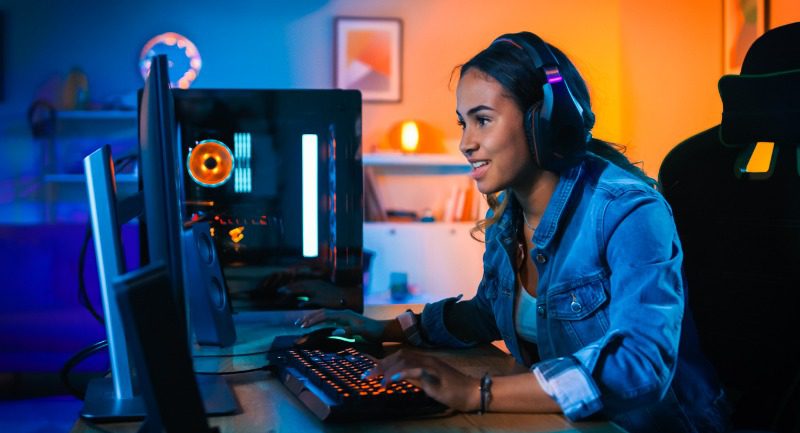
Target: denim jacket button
[[541, 258], [540, 310], [576, 306]]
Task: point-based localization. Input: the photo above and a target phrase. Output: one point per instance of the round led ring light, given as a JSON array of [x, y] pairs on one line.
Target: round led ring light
[[184, 59]]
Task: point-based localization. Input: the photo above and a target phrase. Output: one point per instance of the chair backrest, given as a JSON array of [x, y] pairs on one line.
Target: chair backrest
[[741, 234]]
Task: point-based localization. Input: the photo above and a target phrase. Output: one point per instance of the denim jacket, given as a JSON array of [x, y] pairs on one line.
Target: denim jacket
[[613, 336]]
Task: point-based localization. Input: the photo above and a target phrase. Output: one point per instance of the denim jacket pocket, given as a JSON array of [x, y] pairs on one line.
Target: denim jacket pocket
[[575, 311], [578, 300]]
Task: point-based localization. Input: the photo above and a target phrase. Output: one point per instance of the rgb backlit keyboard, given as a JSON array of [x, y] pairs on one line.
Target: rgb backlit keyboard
[[330, 385]]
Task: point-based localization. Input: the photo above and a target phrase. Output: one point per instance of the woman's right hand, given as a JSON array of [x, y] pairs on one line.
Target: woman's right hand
[[352, 323]]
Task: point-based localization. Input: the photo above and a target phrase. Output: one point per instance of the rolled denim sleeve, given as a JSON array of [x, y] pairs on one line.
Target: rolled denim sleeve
[[434, 332], [459, 324], [570, 385]]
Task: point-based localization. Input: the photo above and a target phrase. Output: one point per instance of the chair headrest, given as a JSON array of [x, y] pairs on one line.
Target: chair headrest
[[763, 103], [763, 107]]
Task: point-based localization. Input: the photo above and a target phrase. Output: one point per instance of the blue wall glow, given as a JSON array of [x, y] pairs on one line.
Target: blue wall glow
[[257, 44]]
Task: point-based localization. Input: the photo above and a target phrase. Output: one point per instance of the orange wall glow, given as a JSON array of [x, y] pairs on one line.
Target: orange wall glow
[[652, 67]]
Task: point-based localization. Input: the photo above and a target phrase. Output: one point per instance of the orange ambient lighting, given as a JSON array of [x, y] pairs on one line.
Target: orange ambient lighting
[[409, 136], [413, 136], [210, 163]]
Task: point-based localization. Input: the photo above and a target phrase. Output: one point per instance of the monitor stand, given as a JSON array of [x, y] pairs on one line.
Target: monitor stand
[[100, 404]]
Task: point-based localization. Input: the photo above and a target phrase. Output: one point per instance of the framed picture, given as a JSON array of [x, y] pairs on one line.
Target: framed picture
[[743, 21], [368, 57]]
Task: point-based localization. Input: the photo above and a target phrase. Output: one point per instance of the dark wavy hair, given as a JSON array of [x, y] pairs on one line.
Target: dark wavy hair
[[511, 66]]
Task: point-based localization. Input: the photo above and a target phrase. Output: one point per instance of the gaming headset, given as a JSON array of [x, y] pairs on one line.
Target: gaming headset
[[554, 127]]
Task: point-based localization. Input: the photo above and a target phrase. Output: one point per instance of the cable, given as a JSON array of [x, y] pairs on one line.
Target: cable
[[75, 360], [83, 296]]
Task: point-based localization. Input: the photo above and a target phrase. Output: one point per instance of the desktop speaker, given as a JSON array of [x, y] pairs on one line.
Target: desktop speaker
[[209, 307]]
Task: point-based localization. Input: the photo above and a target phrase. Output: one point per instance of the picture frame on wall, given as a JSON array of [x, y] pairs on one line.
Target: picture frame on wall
[[368, 57], [743, 22]]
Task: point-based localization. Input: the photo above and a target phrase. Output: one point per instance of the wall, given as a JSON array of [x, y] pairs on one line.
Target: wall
[[783, 12], [672, 59], [275, 44], [652, 66]]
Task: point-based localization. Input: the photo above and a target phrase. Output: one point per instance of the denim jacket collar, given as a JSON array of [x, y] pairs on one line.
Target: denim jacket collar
[[552, 217]]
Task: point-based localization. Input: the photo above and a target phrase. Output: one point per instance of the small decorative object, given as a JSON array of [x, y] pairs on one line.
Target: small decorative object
[[398, 286], [368, 57], [414, 136], [184, 59], [744, 22], [427, 216], [409, 136], [75, 93]]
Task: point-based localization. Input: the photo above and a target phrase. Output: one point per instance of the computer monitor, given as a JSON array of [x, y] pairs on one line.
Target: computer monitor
[[159, 203], [278, 174], [162, 360]]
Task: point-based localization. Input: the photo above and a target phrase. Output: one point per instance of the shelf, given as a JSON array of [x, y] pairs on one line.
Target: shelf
[[399, 163], [439, 259], [97, 115], [419, 225], [80, 178]]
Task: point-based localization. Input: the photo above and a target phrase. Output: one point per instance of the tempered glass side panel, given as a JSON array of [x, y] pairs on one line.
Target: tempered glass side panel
[[258, 215]]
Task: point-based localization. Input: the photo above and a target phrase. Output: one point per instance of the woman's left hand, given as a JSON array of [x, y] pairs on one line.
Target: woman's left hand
[[438, 379]]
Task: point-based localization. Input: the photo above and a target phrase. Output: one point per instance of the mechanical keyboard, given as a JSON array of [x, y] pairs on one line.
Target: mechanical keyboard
[[330, 385]]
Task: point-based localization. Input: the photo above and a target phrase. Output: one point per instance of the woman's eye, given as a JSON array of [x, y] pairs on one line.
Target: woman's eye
[[482, 121]]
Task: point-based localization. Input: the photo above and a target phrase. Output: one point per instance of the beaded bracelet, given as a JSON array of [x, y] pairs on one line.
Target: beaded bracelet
[[486, 392]]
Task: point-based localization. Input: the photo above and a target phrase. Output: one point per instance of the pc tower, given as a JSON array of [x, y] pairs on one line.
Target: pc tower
[[277, 174]]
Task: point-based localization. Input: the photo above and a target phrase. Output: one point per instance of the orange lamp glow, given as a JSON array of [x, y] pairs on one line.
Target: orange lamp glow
[[409, 136], [210, 163], [413, 136]]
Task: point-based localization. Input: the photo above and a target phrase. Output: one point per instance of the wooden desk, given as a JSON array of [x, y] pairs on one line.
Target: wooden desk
[[267, 406]]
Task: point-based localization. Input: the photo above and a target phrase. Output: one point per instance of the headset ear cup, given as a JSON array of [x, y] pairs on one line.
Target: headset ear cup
[[528, 121]]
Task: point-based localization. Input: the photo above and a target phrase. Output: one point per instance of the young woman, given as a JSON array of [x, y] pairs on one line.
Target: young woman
[[582, 268]]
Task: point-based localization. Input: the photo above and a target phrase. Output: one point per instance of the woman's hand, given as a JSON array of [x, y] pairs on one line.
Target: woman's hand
[[438, 379], [352, 323]]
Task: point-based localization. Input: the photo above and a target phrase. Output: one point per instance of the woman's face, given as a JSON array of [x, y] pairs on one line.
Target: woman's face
[[493, 135]]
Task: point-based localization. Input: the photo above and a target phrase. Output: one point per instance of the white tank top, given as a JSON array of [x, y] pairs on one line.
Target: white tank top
[[525, 318]]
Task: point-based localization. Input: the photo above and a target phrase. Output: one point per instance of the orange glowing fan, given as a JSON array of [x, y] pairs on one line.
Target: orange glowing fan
[[210, 163]]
